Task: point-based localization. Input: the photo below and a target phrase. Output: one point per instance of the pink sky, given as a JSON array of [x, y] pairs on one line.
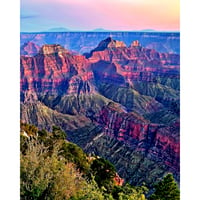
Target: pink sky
[[122, 15]]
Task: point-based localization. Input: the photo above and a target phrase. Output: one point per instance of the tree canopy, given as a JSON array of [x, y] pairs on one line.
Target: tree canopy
[[166, 189]]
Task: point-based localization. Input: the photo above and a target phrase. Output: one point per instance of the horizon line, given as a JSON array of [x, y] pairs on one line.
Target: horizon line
[[72, 31]]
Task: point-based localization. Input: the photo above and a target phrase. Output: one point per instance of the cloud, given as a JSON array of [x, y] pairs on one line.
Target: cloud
[[23, 16], [28, 13]]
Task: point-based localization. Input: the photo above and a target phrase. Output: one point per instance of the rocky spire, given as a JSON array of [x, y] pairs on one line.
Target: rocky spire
[[109, 43]]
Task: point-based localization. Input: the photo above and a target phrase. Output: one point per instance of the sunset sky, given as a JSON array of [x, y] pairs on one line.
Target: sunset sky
[[84, 15]]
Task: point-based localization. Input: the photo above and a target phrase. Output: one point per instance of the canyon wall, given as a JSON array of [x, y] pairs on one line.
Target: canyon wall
[[118, 100]]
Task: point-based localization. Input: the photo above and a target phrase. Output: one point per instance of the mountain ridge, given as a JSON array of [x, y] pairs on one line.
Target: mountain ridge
[[84, 42]]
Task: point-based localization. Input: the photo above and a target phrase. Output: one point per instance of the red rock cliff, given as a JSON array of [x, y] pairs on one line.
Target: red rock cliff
[[158, 142]]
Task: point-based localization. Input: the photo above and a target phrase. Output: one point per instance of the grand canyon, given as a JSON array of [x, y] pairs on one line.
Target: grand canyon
[[115, 94]]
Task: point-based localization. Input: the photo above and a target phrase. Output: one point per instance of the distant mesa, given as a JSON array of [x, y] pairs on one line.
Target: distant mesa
[[148, 30], [62, 29], [101, 30], [59, 29]]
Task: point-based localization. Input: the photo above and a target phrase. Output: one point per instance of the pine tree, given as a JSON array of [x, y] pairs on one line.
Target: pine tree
[[167, 189]]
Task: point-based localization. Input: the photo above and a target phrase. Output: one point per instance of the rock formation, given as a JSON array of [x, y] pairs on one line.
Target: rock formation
[[29, 48], [117, 101]]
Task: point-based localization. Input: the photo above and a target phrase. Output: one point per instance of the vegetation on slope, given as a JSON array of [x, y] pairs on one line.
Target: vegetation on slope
[[54, 168]]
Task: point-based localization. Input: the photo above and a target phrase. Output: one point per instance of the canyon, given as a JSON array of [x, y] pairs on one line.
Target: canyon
[[83, 42], [118, 99]]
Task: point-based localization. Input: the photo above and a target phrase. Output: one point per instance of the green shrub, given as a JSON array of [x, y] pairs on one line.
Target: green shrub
[[47, 177]]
